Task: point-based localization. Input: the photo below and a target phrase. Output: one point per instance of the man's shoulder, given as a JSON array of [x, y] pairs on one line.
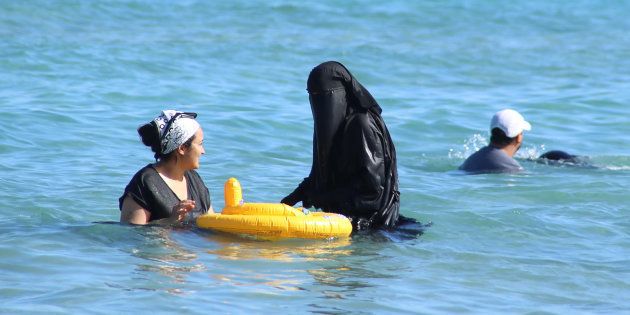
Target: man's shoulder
[[490, 159], [483, 153]]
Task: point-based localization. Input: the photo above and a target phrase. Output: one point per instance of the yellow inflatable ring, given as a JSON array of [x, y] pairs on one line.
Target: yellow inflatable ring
[[272, 220]]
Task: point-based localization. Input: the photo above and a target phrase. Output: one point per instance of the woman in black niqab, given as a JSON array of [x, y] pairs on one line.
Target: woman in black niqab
[[354, 160]]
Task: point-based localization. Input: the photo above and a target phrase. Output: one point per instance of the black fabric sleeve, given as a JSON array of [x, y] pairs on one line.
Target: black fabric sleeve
[[360, 185], [150, 192], [135, 191], [300, 193]]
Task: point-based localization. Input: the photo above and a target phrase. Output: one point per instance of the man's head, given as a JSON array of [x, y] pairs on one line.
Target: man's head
[[507, 128]]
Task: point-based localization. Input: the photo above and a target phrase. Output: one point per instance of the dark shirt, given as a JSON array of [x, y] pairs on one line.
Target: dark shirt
[[490, 160], [149, 190]]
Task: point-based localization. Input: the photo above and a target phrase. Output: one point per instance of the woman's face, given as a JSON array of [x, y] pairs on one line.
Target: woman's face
[[194, 152]]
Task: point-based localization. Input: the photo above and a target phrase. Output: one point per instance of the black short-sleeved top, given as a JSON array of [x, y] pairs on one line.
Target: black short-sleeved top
[[149, 190]]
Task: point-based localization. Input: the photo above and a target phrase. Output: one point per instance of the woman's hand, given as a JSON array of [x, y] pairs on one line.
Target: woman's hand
[[181, 209]]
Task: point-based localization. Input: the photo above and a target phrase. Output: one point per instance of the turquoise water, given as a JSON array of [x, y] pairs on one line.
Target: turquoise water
[[77, 78]]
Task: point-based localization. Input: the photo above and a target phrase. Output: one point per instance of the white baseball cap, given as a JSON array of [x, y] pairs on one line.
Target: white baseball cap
[[510, 121]]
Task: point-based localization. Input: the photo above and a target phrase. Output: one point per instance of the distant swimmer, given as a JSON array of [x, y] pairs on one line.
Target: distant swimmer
[[560, 156], [507, 128]]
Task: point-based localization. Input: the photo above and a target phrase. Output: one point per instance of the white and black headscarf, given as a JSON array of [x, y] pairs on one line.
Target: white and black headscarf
[[175, 128]]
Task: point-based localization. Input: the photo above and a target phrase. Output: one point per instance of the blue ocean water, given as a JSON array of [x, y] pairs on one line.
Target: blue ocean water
[[78, 77]]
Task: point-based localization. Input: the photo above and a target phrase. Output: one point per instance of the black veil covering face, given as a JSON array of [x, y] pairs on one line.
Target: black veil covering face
[[328, 100], [354, 160]]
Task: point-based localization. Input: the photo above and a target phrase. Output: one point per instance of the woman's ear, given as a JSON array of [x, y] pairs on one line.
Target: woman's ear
[[181, 150]]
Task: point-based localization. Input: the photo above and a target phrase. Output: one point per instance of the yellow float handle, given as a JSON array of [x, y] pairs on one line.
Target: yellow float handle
[[232, 193]]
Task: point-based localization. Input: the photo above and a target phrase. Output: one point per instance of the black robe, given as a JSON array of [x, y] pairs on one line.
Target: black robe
[[354, 160]]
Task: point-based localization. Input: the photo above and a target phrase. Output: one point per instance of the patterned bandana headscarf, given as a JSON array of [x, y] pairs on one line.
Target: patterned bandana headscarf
[[180, 129]]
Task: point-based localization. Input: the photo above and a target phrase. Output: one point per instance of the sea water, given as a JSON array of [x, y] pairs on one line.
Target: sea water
[[78, 77]]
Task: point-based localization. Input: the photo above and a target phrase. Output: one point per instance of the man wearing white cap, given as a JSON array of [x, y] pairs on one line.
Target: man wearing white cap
[[507, 128]]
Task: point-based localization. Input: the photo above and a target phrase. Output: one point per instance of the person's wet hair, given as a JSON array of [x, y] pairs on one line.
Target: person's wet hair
[[499, 139], [558, 156]]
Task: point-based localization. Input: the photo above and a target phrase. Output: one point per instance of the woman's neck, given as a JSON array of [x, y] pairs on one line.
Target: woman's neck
[[170, 169]]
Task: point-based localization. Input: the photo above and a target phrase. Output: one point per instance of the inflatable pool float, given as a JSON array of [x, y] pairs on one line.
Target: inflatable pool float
[[272, 220]]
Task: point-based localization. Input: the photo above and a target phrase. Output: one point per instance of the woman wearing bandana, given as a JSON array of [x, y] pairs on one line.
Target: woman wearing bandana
[[170, 189], [354, 160]]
